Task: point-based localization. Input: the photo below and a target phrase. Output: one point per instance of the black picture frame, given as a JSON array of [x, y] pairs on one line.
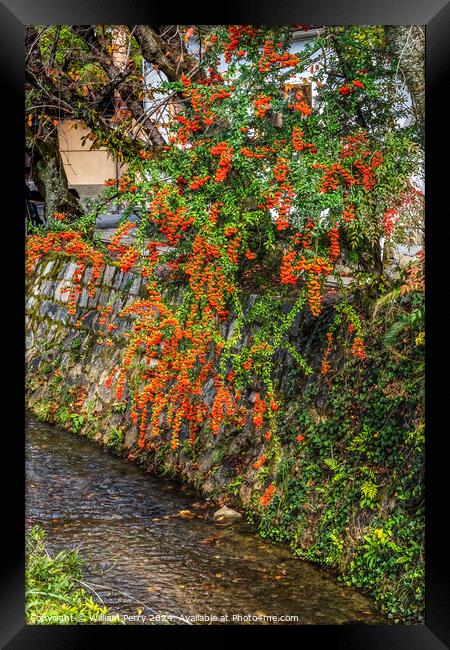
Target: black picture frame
[[435, 15]]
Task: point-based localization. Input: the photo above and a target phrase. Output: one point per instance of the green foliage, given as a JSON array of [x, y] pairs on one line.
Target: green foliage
[[53, 594], [235, 485], [353, 496], [42, 410], [119, 407], [77, 422], [115, 439]]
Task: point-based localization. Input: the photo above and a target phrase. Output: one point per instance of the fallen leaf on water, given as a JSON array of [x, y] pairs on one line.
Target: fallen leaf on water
[[186, 513]]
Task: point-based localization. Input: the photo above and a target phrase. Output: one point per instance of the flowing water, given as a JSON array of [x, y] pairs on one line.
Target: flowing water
[[141, 553]]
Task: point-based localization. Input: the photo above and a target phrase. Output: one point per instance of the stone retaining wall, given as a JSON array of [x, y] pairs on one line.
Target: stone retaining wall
[[68, 367]]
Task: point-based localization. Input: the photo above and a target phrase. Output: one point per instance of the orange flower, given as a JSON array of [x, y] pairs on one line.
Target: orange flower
[[260, 462], [267, 497], [358, 348]]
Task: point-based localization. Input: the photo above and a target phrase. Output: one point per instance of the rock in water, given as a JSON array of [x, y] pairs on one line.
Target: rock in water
[[226, 514]]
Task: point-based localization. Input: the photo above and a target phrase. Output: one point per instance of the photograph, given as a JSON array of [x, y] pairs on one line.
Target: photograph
[[224, 328]]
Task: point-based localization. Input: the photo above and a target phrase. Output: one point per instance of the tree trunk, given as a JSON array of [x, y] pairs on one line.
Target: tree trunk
[[50, 178], [406, 44]]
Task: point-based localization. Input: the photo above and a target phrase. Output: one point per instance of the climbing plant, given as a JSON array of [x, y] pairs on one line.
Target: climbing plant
[[257, 190]]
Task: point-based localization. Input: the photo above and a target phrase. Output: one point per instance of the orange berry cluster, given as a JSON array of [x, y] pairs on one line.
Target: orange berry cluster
[[236, 34], [332, 177], [262, 105], [271, 57], [260, 407], [260, 462], [358, 348], [389, 220], [198, 181], [355, 147], [267, 497], [188, 128], [260, 152], [316, 270], [281, 169], [299, 144], [335, 249], [221, 406], [301, 106], [72, 243], [347, 88], [326, 366], [287, 275], [225, 152], [172, 223], [348, 213]]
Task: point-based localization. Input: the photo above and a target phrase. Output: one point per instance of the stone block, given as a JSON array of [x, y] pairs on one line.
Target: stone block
[[48, 267], [47, 287], [86, 275], [108, 275], [127, 279], [69, 270], [93, 300], [61, 315], [48, 309], [136, 285], [118, 280], [59, 293], [29, 302], [83, 298], [29, 339], [103, 297]]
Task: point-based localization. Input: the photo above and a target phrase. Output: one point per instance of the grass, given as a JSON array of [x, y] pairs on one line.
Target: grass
[[54, 594]]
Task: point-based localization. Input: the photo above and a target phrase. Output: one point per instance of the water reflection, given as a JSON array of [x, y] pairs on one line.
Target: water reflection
[[151, 546]]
